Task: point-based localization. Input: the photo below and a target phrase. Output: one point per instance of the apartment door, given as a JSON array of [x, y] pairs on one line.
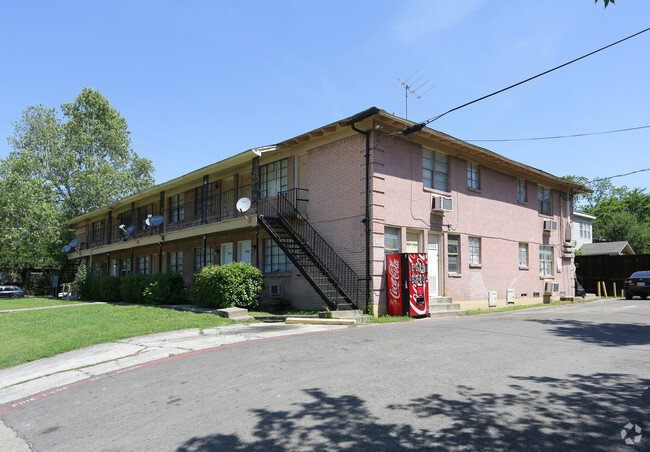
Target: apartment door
[[225, 255], [433, 257], [244, 251]]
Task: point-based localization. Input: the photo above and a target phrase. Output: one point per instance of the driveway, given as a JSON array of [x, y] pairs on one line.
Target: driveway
[[573, 377]]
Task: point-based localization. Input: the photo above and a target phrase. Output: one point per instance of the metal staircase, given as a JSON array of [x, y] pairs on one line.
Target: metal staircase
[[333, 279]]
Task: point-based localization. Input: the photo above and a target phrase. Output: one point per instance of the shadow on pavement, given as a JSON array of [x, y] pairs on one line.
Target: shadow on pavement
[[581, 412], [606, 334]]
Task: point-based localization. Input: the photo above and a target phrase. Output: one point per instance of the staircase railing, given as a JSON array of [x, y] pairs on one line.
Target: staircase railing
[[338, 272]]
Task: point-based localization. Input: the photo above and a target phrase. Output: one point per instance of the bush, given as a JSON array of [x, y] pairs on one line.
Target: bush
[[132, 287], [164, 288], [225, 286], [107, 289]]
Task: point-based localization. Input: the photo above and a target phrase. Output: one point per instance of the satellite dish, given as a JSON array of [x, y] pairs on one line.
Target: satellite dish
[[66, 249], [154, 221], [129, 230], [243, 204], [73, 243]]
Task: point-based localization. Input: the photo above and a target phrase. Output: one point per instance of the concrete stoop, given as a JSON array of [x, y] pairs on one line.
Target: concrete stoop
[[237, 314], [443, 307]]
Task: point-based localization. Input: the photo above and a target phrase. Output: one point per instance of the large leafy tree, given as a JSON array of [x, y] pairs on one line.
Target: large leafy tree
[[621, 214], [60, 167]]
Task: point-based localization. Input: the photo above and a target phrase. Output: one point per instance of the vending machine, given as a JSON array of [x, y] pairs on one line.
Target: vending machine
[[408, 289]]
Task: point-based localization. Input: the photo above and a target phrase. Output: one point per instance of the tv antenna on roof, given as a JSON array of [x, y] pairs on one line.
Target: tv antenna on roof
[[410, 87]]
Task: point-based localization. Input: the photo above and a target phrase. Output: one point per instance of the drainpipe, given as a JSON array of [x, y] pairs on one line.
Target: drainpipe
[[366, 220]]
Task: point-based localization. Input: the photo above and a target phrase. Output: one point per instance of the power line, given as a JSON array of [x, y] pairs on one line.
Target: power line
[[418, 127], [619, 175], [560, 136]]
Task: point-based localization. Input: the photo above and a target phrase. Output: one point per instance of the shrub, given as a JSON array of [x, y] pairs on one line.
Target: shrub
[[224, 286], [107, 289], [164, 288], [132, 287]]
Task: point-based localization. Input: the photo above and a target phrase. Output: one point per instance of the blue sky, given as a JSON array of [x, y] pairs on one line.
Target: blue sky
[[198, 81]]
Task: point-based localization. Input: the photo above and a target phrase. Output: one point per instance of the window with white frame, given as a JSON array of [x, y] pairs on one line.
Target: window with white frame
[[546, 260], [177, 208], [175, 261], [142, 263], [523, 255], [435, 170], [274, 259], [544, 200], [391, 240], [522, 193], [125, 266], [585, 230], [473, 176], [274, 178], [453, 249], [474, 248], [203, 259]]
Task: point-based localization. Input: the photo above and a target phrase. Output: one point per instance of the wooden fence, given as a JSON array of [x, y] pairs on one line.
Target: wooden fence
[[611, 270]]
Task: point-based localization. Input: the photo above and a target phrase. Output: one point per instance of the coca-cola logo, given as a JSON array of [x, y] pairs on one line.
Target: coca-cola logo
[[393, 279]]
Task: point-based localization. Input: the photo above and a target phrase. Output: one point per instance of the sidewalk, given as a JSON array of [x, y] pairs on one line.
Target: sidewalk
[[20, 382]]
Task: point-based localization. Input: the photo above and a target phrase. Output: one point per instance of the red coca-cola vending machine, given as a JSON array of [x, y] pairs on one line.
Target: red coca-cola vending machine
[[408, 287]]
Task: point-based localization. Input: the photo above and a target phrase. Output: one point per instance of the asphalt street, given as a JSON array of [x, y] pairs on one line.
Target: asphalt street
[[573, 377]]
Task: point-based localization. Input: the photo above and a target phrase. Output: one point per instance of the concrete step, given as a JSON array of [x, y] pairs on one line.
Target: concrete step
[[439, 300], [444, 306], [447, 313]]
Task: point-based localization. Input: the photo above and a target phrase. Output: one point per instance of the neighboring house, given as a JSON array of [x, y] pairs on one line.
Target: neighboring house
[[328, 205], [606, 248], [582, 228]]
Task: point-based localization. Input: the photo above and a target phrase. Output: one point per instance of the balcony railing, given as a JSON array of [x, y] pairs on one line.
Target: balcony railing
[[220, 207]]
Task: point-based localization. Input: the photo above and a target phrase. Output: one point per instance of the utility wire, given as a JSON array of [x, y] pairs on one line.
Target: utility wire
[[619, 175], [418, 127], [559, 136]]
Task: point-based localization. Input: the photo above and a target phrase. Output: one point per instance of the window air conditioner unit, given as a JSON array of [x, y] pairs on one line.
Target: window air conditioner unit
[[276, 290], [550, 225], [442, 203], [551, 287]]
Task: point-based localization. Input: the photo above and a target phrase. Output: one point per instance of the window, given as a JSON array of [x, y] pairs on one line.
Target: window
[[126, 218], [546, 260], [199, 261], [96, 270], [142, 263], [413, 242], [177, 208], [473, 176], [175, 261], [391, 240], [474, 247], [523, 255], [522, 193], [585, 230], [198, 200], [453, 245], [125, 266], [544, 200], [274, 259], [142, 214], [435, 170], [98, 229], [273, 178]]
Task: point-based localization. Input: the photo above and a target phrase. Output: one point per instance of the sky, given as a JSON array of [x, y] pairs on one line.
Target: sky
[[199, 81]]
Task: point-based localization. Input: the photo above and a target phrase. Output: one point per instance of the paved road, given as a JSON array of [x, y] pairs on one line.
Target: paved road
[[563, 378]]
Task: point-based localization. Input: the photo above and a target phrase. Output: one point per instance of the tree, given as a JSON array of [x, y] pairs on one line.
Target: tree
[[87, 157], [61, 168], [607, 2]]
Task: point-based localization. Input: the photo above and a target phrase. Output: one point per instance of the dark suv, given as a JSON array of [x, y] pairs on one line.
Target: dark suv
[[11, 292], [637, 284]]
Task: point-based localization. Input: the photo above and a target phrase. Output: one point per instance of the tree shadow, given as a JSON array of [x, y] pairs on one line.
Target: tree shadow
[[606, 334], [580, 412]]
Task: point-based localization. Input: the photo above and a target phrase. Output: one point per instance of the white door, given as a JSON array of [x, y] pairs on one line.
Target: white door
[[226, 253], [432, 258], [244, 251]]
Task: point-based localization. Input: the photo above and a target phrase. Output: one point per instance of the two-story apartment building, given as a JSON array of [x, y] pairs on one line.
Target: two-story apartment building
[[328, 205]]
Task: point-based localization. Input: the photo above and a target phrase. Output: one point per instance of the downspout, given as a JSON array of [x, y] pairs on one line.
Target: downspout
[[366, 220]]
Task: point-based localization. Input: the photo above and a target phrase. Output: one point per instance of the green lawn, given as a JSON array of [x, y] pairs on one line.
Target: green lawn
[[524, 306], [30, 335], [30, 302]]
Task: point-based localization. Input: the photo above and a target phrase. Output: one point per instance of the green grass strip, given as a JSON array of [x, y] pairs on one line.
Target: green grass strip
[[30, 335], [30, 302]]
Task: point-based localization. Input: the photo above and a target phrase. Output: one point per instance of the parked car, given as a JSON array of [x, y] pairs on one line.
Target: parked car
[[11, 292], [637, 284]]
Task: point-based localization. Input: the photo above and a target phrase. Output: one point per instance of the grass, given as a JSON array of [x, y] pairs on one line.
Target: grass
[[390, 319], [525, 306], [30, 335], [30, 302]]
